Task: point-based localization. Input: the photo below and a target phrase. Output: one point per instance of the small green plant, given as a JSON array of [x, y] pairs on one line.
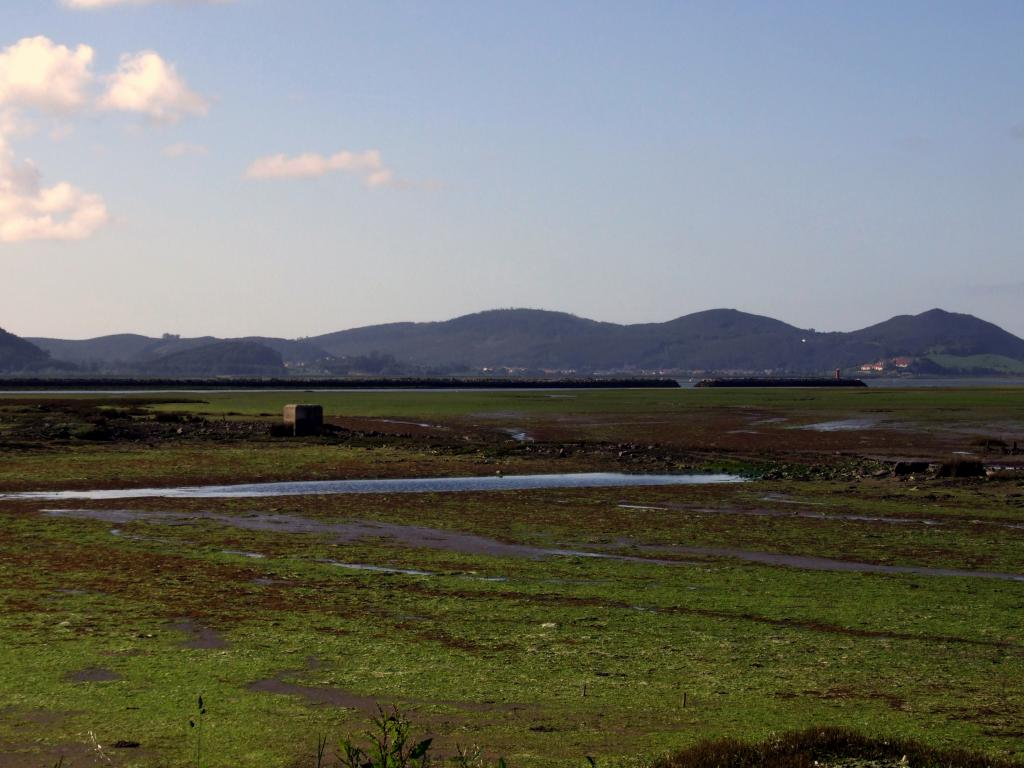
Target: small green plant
[[197, 724], [389, 745]]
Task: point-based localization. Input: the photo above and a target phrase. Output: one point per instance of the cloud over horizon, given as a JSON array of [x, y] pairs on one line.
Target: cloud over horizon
[[368, 164]]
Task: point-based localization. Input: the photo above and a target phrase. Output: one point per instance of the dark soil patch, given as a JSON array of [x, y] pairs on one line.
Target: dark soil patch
[[200, 637], [331, 696], [455, 541], [94, 675], [319, 695]]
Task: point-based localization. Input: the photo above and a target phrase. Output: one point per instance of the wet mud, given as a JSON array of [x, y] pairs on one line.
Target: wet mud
[[414, 536], [94, 675], [198, 637], [332, 696]]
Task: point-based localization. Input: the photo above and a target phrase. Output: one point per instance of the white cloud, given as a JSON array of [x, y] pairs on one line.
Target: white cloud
[[12, 124], [147, 84], [61, 131], [29, 211], [36, 72], [368, 164], [183, 149], [91, 5], [36, 75]]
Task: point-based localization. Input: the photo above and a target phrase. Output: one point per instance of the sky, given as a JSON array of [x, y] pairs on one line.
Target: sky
[[295, 167]]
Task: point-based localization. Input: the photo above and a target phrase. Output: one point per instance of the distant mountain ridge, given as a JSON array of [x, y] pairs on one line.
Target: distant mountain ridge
[[19, 355], [536, 340]]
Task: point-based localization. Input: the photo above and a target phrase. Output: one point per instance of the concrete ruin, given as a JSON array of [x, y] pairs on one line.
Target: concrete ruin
[[304, 420]]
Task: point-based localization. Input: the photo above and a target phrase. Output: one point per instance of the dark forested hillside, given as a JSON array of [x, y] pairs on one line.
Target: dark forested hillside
[[17, 355], [713, 340], [937, 331]]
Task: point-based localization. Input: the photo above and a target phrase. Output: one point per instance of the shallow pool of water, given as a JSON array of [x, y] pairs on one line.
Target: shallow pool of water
[[842, 425], [400, 485]]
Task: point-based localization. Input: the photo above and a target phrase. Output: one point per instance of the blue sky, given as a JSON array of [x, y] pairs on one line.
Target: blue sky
[[292, 168]]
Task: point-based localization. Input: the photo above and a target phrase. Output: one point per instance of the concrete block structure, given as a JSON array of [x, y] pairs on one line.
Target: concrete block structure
[[304, 419]]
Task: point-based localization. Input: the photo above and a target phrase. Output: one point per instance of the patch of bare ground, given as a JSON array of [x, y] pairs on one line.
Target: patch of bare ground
[[198, 637], [332, 696], [94, 675]]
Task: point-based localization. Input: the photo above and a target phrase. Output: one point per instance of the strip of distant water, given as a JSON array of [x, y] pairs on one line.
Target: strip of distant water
[[398, 485], [991, 382], [880, 383]]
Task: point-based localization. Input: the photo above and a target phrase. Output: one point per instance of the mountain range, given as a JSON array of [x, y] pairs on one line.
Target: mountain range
[[528, 340]]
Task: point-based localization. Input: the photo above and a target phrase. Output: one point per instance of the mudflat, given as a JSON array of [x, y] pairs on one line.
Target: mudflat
[[833, 586]]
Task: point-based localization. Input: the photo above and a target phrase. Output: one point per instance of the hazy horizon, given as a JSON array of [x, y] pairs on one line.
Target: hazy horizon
[[254, 167]]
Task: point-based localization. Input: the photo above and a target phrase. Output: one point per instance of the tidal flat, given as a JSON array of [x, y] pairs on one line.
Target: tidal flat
[[541, 624]]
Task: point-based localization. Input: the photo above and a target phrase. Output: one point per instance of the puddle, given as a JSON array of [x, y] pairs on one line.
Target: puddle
[[643, 609], [414, 536], [129, 537], [252, 555], [200, 638], [808, 515], [379, 568], [519, 435], [93, 675], [826, 517], [421, 424], [842, 425], [813, 563], [620, 558], [399, 485], [783, 499], [314, 694]]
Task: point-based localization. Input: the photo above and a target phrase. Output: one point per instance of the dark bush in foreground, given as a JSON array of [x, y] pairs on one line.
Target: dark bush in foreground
[[825, 747]]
